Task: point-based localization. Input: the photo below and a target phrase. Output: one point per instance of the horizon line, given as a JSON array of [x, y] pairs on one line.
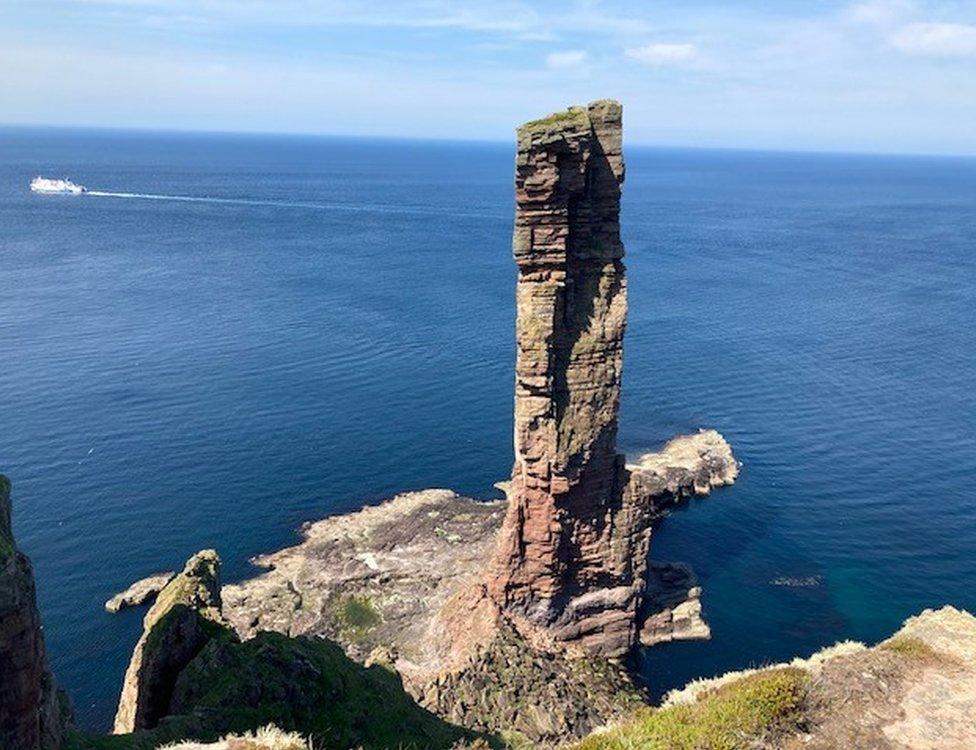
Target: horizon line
[[178, 131]]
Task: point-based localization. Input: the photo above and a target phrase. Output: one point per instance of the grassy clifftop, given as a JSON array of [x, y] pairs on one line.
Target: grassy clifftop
[[918, 685]]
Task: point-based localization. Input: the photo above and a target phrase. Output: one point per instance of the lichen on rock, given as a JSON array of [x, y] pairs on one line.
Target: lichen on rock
[[185, 617]]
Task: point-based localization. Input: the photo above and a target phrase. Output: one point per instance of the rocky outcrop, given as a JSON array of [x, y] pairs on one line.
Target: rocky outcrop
[[33, 712], [569, 567], [541, 697], [185, 617], [561, 546], [399, 583], [374, 578], [672, 608], [142, 591], [914, 690]]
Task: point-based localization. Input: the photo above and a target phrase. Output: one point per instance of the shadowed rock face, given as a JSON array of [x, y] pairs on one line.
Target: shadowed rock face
[[561, 538], [185, 617], [32, 715]]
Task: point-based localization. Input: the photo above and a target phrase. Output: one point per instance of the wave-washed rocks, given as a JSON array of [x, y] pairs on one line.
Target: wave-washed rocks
[[141, 592], [388, 580]]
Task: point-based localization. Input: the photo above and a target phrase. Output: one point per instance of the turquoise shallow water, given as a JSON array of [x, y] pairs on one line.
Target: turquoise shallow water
[[338, 327]]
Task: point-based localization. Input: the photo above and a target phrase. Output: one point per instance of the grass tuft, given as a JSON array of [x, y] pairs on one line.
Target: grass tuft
[[729, 717], [266, 738], [357, 615], [911, 647]]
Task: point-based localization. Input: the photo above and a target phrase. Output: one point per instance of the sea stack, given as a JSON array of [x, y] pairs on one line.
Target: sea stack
[[33, 713], [561, 551]]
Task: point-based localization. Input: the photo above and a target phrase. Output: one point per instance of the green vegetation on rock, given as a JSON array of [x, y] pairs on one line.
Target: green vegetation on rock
[[305, 685], [357, 616], [730, 717], [911, 647], [553, 120]]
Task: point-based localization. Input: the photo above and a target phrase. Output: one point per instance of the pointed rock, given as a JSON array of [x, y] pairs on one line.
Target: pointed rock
[[185, 617]]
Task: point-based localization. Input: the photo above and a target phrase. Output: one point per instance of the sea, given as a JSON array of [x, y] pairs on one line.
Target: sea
[[237, 334]]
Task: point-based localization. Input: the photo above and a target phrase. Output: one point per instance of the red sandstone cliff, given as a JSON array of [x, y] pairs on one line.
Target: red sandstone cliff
[[32, 710]]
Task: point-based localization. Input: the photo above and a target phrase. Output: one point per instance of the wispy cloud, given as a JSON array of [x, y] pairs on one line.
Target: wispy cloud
[[936, 39], [663, 53], [898, 74], [568, 59], [879, 12]]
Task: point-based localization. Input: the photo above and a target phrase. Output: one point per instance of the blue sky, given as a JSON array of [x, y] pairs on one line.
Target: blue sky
[[872, 75]]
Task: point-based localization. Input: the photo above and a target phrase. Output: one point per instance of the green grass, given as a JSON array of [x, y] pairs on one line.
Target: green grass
[[357, 616], [727, 718], [556, 119], [911, 647]]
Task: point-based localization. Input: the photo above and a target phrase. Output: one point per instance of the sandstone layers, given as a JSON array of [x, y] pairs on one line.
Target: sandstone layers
[[33, 712], [570, 564], [559, 541], [386, 582]]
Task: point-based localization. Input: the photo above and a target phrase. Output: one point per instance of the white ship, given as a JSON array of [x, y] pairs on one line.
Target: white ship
[[47, 185]]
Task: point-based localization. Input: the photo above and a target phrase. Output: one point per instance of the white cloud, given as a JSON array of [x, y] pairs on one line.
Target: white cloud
[[936, 39], [878, 12], [663, 54], [568, 59]]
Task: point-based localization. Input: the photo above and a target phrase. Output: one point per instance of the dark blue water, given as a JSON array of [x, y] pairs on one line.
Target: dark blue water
[[179, 374]]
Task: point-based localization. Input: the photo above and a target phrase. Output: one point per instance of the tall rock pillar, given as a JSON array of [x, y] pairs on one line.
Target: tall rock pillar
[[564, 567], [31, 711]]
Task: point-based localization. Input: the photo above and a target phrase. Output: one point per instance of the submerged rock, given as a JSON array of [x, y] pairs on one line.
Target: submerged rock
[[185, 617], [34, 713], [140, 592]]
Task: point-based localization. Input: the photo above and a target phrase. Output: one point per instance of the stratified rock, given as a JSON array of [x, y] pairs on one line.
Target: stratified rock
[[672, 606], [140, 592], [560, 538], [401, 583], [185, 617], [570, 564], [33, 712]]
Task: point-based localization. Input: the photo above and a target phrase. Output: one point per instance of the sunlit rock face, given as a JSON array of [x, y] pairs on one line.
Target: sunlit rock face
[[570, 564], [562, 563]]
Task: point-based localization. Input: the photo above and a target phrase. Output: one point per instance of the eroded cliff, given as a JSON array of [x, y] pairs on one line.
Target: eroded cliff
[[33, 712]]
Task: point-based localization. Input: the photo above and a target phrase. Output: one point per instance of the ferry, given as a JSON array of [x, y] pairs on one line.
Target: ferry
[[61, 187]]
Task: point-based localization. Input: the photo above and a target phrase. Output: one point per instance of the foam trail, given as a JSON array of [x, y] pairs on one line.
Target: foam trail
[[378, 208]]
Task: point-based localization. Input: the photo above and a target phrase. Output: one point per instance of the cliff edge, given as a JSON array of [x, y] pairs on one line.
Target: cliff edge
[[33, 711]]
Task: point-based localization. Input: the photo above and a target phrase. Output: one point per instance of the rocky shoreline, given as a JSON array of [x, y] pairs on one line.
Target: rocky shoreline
[[434, 620], [386, 581]]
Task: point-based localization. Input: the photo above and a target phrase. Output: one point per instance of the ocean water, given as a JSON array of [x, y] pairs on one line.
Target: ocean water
[[337, 326]]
